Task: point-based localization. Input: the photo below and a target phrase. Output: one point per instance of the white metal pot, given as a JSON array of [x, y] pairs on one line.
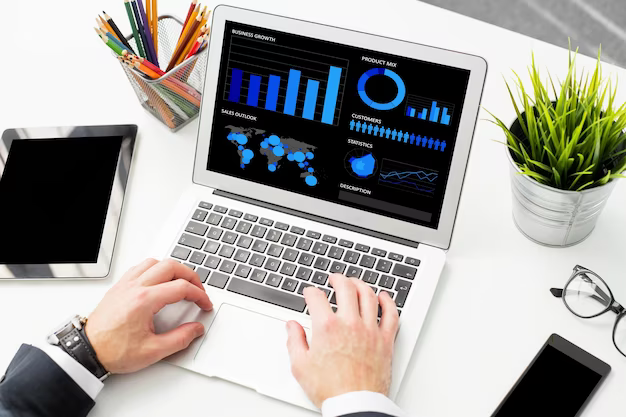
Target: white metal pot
[[554, 217]]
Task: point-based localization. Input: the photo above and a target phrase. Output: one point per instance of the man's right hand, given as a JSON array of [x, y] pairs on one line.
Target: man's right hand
[[349, 350]]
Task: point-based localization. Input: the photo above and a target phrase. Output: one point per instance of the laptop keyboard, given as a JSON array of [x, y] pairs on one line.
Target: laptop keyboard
[[274, 262]]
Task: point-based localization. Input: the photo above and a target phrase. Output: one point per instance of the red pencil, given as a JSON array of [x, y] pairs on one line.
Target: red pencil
[[195, 47], [191, 9]]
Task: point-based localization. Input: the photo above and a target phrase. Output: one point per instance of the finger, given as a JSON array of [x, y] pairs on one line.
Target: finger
[[297, 346], [368, 302], [137, 270], [175, 340], [347, 301], [169, 270], [319, 307], [389, 319], [174, 291]]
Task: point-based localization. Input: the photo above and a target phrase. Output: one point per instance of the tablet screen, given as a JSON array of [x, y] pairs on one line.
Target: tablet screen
[[54, 196]]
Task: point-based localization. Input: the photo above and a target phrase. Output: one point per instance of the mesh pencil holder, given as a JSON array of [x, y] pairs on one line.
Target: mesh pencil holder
[[174, 98]]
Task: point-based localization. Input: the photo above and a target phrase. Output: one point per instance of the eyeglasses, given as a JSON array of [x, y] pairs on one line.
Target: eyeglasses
[[587, 296]]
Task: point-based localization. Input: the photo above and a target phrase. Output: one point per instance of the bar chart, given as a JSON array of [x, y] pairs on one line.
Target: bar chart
[[285, 80], [430, 110]]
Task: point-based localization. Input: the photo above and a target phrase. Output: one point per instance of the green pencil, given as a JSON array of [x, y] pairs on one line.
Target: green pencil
[[112, 45], [134, 27]]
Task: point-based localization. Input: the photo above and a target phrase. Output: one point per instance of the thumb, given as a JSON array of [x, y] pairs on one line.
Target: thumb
[[296, 342], [178, 339]]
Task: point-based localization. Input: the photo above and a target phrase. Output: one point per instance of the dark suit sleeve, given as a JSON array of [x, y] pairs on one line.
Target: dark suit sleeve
[[367, 414], [35, 386]]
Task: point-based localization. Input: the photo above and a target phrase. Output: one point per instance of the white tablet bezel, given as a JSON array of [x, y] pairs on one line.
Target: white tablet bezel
[[439, 237]]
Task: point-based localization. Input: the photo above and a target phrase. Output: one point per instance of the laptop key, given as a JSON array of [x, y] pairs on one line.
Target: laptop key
[[211, 247], [345, 243], [402, 287], [243, 271], [396, 257], [229, 223], [404, 271], [203, 274], [370, 277], [196, 228], [257, 260], [270, 295], [306, 259], [379, 252], [302, 286], [333, 299], [282, 226], [290, 255], [215, 233], [319, 278], [244, 242], [313, 235], [197, 258], [205, 205], [391, 294], [304, 273], [226, 251], [289, 284], [230, 238], [218, 280], [242, 255], [275, 250], [325, 290], [320, 248], [258, 231], [367, 261], [259, 246], [321, 263], [274, 235], [258, 275], [199, 215], [304, 243], [266, 222], [412, 261], [228, 267], [235, 213], [288, 240], [362, 248], [288, 269], [214, 219], [337, 267], [251, 217], [329, 239], [181, 253], [220, 209], [336, 252], [297, 230], [274, 280], [354, 272], [272, 264], [383, 265], [213, 262], [243, 227], [351, 257], [386, 281], [191, 241]]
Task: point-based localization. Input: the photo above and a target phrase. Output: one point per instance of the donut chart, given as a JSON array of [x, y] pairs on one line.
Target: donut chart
[[376, 105]]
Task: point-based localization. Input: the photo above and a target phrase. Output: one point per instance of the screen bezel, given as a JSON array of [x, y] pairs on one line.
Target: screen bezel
[[101, 268], [572, 351], [439, 237]]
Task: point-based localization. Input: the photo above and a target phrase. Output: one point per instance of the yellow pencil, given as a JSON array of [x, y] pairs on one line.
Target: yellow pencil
[[155, 24], [190, 23], [108, 27]]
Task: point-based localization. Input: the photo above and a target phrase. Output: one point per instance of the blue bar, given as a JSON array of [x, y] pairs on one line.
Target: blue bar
[[412, 112], [253, 90], [272, 93], [293, 83], [310, 100], [332, 91], [445, 118], [434, 112], [408, 111], [235, 85], [423, 114]]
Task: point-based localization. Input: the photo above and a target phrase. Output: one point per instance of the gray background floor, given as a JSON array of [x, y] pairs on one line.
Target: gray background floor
[[588, 23]]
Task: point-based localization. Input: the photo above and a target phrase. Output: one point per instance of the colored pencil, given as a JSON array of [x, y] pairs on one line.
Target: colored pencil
[[179, 52], [149, 13], [133, 26], [196, 34], [155, 25], [142, 33], [192, 7], [112, 45], [112, 38], [146, 28], [107, 26], [195, 47], [117, 31], [149, 65], [187, 27]]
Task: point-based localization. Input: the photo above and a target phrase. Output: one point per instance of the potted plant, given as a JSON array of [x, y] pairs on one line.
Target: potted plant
[[567, 148]]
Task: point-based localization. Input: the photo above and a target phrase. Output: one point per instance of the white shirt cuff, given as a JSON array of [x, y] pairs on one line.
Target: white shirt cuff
[[83, 378], [359, 402]]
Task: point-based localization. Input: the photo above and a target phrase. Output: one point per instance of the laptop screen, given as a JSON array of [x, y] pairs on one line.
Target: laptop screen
[[343, 124]]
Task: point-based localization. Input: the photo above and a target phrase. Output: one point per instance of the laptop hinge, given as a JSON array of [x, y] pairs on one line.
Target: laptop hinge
[[320, 219]]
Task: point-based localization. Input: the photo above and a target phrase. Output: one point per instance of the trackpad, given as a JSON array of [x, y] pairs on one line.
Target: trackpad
[[250, 349]]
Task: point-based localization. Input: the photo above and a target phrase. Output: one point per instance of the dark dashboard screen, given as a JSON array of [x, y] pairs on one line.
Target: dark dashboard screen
[[54, 196], [348, 125], [555, 385]]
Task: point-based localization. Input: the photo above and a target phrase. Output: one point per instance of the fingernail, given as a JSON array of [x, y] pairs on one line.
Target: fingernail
[[199, 330]]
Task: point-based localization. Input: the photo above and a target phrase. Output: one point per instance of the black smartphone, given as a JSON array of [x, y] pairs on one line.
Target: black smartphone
[[559, 382]]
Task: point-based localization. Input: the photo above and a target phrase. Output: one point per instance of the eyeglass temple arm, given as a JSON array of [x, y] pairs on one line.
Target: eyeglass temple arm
[[557, 292]]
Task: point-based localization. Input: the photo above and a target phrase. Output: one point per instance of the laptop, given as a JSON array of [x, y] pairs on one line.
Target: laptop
[[320, 150]]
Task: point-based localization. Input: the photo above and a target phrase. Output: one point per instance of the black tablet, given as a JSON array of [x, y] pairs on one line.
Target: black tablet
[[61, 195]]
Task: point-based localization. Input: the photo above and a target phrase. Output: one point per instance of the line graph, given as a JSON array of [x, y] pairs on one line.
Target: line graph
[[408, 177]]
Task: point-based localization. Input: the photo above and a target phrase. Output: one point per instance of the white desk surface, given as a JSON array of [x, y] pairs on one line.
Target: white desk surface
[[492, 310]]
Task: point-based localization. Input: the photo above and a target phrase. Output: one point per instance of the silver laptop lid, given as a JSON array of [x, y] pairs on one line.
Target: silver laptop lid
[[361, 129]]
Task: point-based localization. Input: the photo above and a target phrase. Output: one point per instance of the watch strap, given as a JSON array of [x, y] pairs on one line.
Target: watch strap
[[76, 344]]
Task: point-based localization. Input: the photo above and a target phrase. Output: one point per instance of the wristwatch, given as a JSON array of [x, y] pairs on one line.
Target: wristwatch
[[72, 339]]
